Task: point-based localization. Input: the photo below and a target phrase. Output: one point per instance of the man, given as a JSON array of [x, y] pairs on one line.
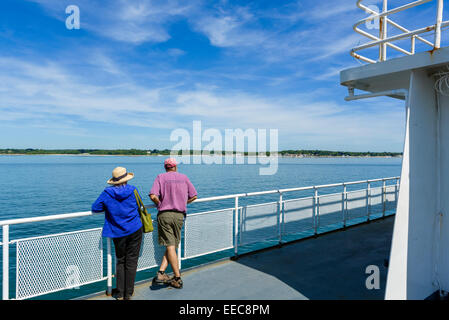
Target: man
[[171, 192]]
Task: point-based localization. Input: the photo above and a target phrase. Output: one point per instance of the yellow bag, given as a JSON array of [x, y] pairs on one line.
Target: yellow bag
[[145, 217]]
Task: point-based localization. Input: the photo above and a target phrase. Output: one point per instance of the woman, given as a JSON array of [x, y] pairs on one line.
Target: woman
[[122, 224]]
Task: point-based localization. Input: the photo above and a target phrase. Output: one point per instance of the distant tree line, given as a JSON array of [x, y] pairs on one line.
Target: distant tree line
[[75, 151], [138, 152], [325, 153]]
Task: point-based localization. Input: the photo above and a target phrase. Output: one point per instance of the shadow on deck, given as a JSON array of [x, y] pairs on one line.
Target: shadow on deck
[[330, 266]]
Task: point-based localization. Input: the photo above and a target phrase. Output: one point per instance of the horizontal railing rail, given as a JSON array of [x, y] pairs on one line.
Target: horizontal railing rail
[[44, 263], [383, 40]]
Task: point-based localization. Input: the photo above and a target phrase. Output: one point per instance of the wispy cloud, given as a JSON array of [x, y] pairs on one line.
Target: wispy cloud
[[294, 115], [135, 21], [158, 65]]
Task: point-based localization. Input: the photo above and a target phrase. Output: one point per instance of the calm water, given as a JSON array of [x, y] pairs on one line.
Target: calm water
[[44, 185]]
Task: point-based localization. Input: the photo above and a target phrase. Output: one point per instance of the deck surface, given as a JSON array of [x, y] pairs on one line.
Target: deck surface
[[330, 266]]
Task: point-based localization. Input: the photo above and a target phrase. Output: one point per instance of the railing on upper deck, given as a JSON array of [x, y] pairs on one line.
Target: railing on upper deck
[[47, 264], [383, 41]]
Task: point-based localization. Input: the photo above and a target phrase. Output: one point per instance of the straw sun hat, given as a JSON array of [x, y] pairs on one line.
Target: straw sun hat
[[120, 175]]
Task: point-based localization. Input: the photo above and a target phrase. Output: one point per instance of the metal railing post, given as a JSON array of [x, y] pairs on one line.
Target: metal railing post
[[236, 227], [343, 204], [179, 256], [281, 217], [5, 274], [182, 243], [438, 24], [383, 33], [396, 188], [316, 205], [368, 200], [384, 190], [109, 266]]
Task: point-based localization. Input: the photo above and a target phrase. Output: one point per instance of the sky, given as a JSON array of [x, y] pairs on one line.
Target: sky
[[137, 70]]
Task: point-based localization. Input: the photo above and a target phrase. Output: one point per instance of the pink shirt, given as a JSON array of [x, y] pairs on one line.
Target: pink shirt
[[173, 190]]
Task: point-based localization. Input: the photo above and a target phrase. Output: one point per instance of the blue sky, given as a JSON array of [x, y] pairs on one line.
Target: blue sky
[[136, 70]]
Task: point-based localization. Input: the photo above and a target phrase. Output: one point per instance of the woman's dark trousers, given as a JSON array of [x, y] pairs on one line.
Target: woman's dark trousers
[[127, 251]]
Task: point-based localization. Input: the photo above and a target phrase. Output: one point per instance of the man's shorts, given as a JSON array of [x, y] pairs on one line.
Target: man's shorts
[[169, 224]]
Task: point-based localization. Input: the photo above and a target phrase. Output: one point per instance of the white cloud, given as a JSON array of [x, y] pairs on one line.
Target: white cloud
[[136, 21], [175, 52], [34, 91], [242, 29], [297, 116], [229, 28], [47, 88]]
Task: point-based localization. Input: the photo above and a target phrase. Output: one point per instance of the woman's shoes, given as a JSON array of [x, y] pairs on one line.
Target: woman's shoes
[[128, 297], [119, 296], [116, 295]]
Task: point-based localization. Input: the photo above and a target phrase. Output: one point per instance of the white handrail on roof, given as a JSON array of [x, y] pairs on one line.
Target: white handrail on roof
[[383, 41]]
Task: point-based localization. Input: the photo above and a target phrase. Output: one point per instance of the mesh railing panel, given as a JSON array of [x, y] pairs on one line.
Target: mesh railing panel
[[356, 204], [259, 223], [151, 252], [330, 209], [209, 232], [390, 198], [56, 262], [298, 215], [376, 205]]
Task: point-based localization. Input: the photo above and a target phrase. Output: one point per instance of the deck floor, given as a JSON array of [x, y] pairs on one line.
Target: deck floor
[[330, 266]]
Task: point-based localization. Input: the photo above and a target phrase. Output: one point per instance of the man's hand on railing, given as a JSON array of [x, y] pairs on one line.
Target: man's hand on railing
[[192, 199]]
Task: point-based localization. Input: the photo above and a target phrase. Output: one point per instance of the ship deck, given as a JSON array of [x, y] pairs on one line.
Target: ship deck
[[330, 266]]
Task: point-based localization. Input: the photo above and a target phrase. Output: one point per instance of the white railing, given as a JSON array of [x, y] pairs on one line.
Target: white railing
[[382, 40], [56, 262]]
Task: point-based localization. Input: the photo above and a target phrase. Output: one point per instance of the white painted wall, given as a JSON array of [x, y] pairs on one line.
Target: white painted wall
[[443, 236], [417, 251]]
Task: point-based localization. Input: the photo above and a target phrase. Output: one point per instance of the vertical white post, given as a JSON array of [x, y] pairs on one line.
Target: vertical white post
[[5, 275], [343, 205], [368, 200], [383, 33], [236, 226], [316, 209], [281, 217], [438, 24], [180, 244], [396, 187], [179, 257], [384, 190], [109, 266]]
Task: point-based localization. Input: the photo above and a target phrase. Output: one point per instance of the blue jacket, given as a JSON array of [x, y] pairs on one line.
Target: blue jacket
[[122, 217]]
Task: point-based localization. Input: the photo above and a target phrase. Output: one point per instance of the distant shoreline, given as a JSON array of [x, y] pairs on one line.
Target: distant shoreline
[[289, 153], [158, 155]]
